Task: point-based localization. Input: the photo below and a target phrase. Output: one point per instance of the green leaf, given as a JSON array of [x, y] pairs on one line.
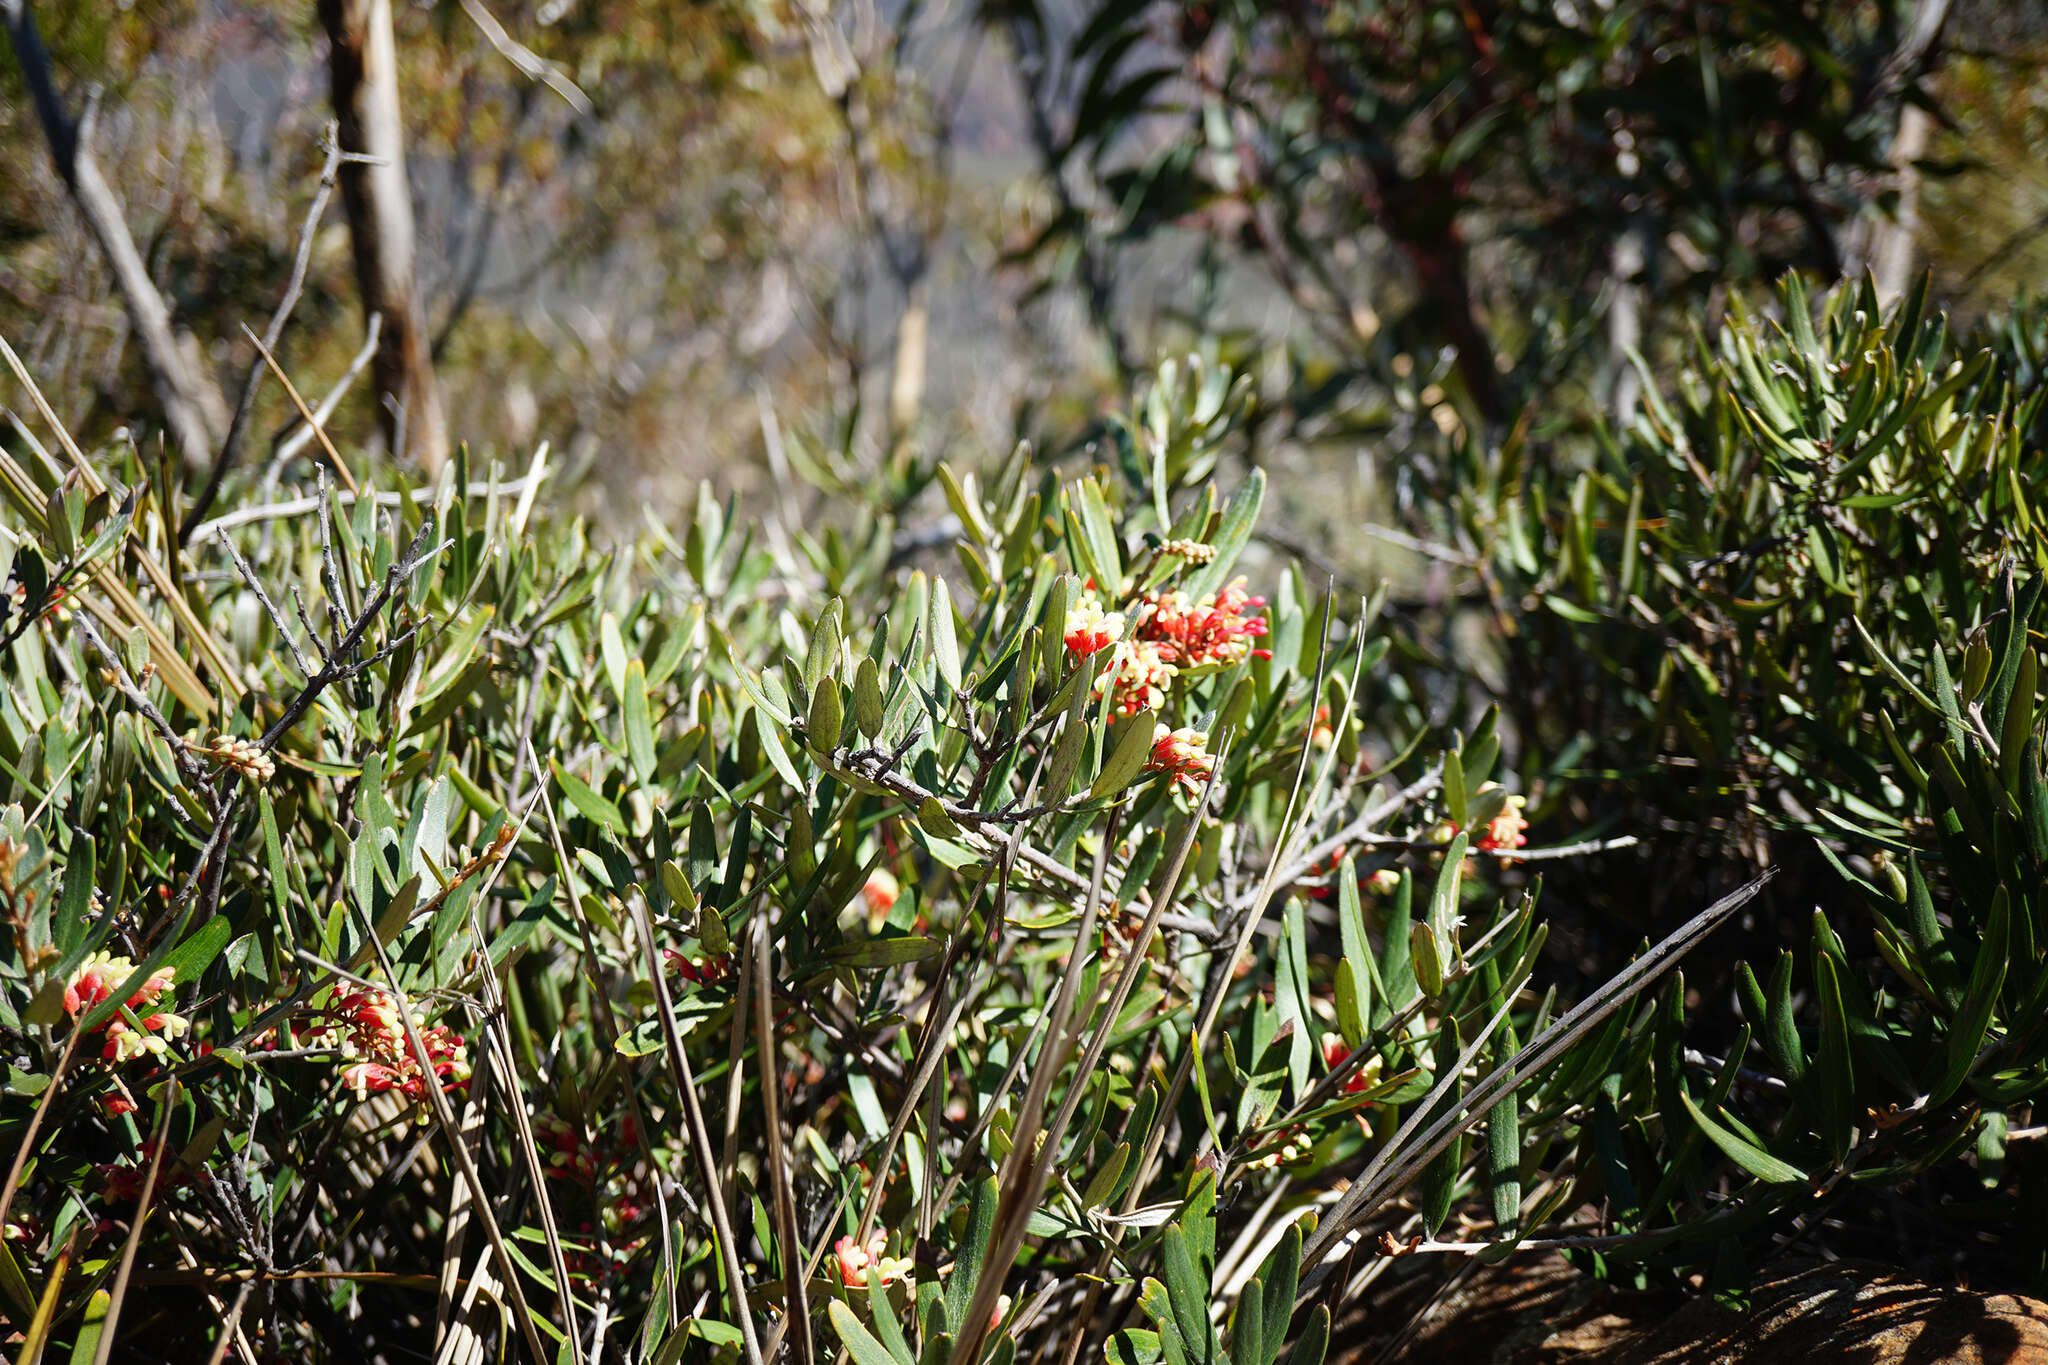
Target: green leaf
[[858, 1341], [1133, 747], [1104, 1181], [587, 801], [614, 650], [1351, 1005], [2018, 721], [1314, 1341], [887, 1330], [1281, 1276], [945, 640], [1884, 661], [85, 1347], [973, 1249], [1755, 1160], [827, 715], [1187, 1293], [867, 698], [1504, 1143], [2013, 648], [639, 722], [884, 952], [821, 661], [1133, 1346], [1967, 1030], [1232, 535], [1103, 549], [1248, 1324]]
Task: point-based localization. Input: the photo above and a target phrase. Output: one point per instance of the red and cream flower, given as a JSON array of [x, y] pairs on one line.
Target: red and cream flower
[[1090, 628], [1364, 1078], [1206, 634], [94, 983], [1508, 829], [1138, 675], [855, 1260], [363, 1025], [1184, 756]]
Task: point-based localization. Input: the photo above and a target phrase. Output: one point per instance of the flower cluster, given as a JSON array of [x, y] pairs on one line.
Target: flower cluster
[[1214, 633], [1294, 1148], [572, 1155], [1506, 830], [1193, 551], [123, 1183], [1090, 628], [1172, 633], [1183, 754], [856, 1260], [243, 755], [363, 1024], [1138, 675], [96, 979]]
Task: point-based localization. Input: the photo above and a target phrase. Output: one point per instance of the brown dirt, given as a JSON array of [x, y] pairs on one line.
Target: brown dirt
[[1855, 1313]]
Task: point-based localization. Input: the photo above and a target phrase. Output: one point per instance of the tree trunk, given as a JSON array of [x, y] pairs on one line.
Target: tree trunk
[[362, 66], [192, 404], [1895, 246]]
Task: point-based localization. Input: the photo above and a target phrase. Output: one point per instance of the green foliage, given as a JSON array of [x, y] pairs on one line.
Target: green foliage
[[941, 960]]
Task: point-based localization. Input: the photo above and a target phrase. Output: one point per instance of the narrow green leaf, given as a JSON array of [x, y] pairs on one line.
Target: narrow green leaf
[[858, 1341], [1133, 747], [821, 660], [1234, 532], [1187, 1293], [639, 721], [586, 800], [945, 640], [1755, 1160], [1107, 1178], [884, 952], [1314, 1341], [867, 698], [968, 1257]]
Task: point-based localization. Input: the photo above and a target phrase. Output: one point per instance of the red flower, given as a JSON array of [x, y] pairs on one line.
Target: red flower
[[1206, 634], [1182, 754], [1090, 628], [363, 1025], [95, 982], [1364, 1078], [1507, 829]]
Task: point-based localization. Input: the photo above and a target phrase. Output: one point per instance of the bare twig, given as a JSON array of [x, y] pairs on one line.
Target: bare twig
[[528, 62], [299, 433], [252, 382]]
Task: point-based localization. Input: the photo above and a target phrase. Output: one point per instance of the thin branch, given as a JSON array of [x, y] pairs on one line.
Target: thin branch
[[252, 382], [298, 507], [299, 433], [528, 62]]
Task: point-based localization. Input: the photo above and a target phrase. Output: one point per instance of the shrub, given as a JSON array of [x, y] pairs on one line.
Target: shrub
[[725, 941]]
